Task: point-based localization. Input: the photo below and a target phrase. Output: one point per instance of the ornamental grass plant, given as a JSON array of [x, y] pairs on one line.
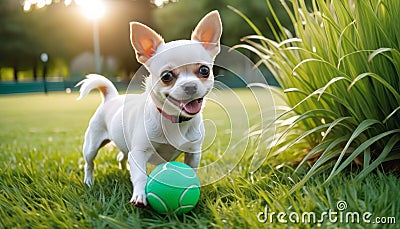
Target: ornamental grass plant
[[339, 70]]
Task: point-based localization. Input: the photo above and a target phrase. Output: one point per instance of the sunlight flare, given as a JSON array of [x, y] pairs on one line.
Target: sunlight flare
[[93, 9]]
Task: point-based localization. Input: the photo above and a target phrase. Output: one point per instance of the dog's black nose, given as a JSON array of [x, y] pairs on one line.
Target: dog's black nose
[[190, 88]]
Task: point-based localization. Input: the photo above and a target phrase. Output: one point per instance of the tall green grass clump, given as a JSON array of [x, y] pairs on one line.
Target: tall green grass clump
[[340, 74]]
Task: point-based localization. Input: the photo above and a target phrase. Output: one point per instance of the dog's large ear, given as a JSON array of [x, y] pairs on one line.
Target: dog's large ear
[[209, 31], [144, 40]]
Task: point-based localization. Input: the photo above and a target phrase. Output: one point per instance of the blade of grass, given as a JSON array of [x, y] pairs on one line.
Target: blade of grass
[[365, 145], [382, 156], [364, 125]]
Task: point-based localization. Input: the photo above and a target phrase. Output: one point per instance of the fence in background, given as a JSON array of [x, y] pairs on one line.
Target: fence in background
[[49, 86], [12, 87]]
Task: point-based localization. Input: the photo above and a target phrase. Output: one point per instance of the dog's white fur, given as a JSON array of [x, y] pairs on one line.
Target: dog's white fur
[[140, 124]]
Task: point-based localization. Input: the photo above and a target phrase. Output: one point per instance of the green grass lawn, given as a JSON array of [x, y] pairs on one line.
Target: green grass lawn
[[41, 173]]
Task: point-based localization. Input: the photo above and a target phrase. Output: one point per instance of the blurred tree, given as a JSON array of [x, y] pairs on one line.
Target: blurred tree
[[18, 48], [63, 32], [115, 30], [176, 20], [24, 36]]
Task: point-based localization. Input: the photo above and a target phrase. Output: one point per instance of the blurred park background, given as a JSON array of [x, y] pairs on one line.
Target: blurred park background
[[48, 45]]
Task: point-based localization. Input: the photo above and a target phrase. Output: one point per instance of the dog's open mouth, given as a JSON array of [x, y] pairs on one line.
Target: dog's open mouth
[[191, 107]]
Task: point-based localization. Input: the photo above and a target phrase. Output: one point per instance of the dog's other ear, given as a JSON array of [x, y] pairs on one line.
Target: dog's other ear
[[209, 31], [144, 40]]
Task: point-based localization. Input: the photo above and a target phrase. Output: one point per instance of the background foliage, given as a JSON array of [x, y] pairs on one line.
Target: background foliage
[[339, 72], [63, 32], [177, 20]]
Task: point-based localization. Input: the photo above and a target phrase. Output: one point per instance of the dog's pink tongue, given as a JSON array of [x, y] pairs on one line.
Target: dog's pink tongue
[[193, 107]]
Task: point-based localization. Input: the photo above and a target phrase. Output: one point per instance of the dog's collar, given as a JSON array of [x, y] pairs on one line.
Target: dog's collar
[[173, 118]]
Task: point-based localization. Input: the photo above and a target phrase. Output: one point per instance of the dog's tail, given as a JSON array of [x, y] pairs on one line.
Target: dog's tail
[[92, 81]]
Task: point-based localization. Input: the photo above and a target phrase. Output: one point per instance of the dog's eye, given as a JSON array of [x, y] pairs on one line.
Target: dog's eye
[[204, 71], [167, 76]]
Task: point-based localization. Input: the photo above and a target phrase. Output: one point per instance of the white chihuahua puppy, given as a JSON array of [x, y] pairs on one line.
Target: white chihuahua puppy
[[165, 120]]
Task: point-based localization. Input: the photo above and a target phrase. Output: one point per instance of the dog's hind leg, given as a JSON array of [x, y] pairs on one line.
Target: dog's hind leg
[[95, 138]]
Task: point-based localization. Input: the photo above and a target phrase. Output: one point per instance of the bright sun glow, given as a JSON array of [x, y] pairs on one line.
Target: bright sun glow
[[93, 9]]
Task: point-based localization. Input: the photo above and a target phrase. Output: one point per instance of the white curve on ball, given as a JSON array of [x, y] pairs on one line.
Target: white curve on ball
[[182, 207], [184, 192], [183, 173], [194, 173], [153, 177], [165, 168], [159, 199]]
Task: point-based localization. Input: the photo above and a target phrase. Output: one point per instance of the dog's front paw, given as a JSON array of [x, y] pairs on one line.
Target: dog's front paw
[[139, 200], [88, 180]]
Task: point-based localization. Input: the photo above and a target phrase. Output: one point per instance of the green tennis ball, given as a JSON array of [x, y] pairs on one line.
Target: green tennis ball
[[173, 187]]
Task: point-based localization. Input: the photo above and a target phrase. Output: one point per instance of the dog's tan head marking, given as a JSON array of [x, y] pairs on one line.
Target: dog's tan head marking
[[181, 71]]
